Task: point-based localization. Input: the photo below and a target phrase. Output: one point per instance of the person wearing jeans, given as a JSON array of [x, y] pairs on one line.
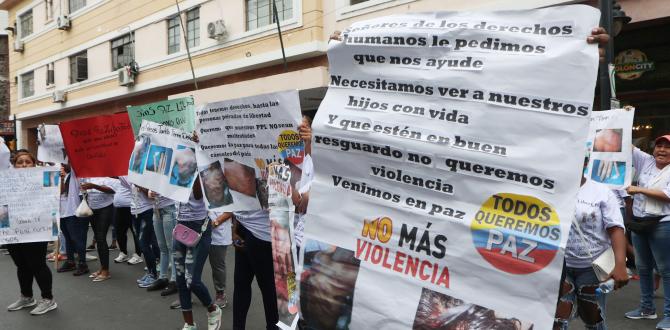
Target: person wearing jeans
[[253, 258], [142, 209], [69, 200], [651, 205], [193, 214], [164, 219], [100, 200]]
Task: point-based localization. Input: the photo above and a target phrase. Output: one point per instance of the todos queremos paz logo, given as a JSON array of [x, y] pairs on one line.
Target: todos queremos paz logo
[[291, 146], [630, 64], [516, 234]]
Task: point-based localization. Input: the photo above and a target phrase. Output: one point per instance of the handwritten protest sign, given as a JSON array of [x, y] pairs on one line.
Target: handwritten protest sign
[[50, 146], [99, 146], [163, 160], [177, 113], [283, 248], [610, 149], [448, 144], [29, 204], [238, 139]]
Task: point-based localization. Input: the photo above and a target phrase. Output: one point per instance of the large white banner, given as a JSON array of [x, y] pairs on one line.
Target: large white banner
[[29, 204], [163, 161], [238, 139], [610, 149], [448, 153], [50, 147]]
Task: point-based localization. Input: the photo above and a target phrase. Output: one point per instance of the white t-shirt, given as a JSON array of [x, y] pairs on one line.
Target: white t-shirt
[[223, 234], [96, 198], [257, 222], [70, 201], [646, 170], [597, 210], [140, 202], [193, 210], [123, 195]]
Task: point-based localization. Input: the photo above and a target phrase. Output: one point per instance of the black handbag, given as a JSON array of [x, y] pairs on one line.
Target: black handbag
[[643, 225]]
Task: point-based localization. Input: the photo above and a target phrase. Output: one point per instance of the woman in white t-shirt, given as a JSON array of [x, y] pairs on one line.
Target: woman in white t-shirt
[[600, 228], [651, 227], [101, 200]]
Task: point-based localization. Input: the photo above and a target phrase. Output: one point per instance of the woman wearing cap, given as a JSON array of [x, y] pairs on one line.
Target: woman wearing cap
[[30, 262], [651, 227]]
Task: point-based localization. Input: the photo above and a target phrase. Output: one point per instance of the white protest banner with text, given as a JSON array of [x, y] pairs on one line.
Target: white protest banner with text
[[29, 204], [163, 161], [238, 139], [447, 157], [610, 148], [50, 147]]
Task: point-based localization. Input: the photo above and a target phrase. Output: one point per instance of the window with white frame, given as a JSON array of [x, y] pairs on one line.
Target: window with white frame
[[260, 12], [26, 24], [193, 27], [48, 10], [74, 5], [174, 34], [28, 84], [78, 67], [123, 51], [51, 77]]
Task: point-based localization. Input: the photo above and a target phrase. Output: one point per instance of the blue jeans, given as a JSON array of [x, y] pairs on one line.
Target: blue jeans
[[199, 257], [164, 221], [148, 239], [75, 231], [581, 284], [653, 249]]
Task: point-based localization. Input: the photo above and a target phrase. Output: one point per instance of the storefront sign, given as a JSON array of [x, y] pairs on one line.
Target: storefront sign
[[631, 64], [7, 127]]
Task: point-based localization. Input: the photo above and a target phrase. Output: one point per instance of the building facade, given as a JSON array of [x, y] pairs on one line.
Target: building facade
[[78, 58]]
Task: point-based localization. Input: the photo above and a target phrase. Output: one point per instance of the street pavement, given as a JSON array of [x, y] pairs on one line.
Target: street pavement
[[119, 304], [114, 304]]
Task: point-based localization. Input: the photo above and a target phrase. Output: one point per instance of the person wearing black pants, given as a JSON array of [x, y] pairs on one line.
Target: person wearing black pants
[[253, 258], [124, 219], [100, 200]]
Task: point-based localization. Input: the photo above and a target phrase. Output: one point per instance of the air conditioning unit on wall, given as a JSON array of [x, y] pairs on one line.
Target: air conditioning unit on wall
[[18, 45], [58, 96], [63, 22], [126, 76], [217, 30]]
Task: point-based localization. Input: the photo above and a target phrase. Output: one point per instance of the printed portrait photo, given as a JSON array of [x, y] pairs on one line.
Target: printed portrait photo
[[608, 140], [282, 257], [139, 156], [215, 186], [51, 179], [608, 172], [327, 286], [159, 160], [440, 311], [4, 216], [184, 167]]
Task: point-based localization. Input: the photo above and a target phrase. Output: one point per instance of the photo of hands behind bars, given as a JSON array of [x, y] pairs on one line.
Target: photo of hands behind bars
[[608, 172], [159, 159]]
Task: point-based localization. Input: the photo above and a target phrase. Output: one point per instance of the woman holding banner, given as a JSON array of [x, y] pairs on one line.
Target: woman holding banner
[[100, 200], [651, 227], [30, 262]]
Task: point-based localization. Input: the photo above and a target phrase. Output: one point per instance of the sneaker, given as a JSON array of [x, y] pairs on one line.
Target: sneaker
[[67, 267], [22, 303], [135, 259], [170, 289], [221, 299], [148, 281], [81, 270], [664, 324], [91, 247], [44, 306], [91, 257], [159, 284], [121, 258], [189, 327], [175, 304], [143, 278], [641, 314], [214, 319]]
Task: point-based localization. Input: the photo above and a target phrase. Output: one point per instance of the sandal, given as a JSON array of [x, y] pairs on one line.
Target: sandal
[[94, 274], [101, 278]]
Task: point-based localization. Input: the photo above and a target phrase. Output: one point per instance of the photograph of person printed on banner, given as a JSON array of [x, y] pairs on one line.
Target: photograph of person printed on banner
[[51, 179], [243, 184], [608, 172], [139, 156], [327, 286], [215, 185], [440, 311], [159, 160], [184, 168], [4, 216], [608, 140]]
